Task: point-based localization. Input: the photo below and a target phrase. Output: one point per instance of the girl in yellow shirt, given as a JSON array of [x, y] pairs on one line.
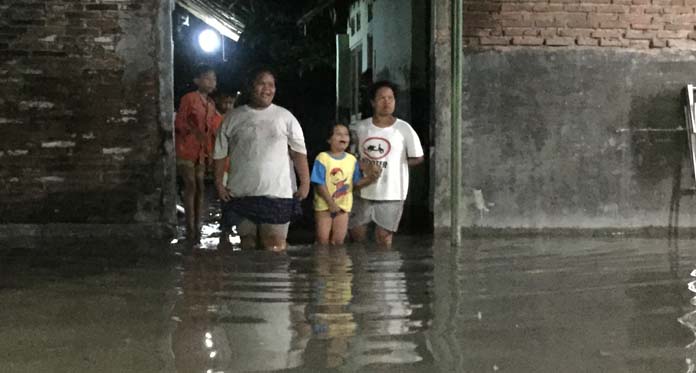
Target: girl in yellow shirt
[[335, 175]]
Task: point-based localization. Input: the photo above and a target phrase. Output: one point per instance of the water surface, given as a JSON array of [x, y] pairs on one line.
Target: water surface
[[516, 305]]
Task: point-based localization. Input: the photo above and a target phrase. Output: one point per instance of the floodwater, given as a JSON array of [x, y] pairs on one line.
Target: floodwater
[[508, 305]]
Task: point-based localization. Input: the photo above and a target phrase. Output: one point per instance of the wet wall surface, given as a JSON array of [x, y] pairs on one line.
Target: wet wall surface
[[582, 138], [522, 305]]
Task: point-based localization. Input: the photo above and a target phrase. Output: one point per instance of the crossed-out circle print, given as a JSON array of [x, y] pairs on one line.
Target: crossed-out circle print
[[376, 148]]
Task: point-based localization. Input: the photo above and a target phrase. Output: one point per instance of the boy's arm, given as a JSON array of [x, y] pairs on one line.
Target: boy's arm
[[413, 147], [363, 182], [181, 123], [302, 168], [415, 161], [222, 191], [370, 173]]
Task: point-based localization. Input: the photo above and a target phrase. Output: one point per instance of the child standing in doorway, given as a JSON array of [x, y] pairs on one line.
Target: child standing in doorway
[[225, 103], [194, 134], [335, 175]]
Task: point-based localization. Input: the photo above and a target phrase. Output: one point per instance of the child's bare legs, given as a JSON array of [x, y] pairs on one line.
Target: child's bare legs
[[383, 236], [199, 201], [192, 175], [359, 233], [331, 230], [339, 228], [323, 226], [273, 236], [273, 241]]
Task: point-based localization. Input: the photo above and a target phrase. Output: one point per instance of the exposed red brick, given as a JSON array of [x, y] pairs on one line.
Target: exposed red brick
[[614, 34], [549, 7], [614, 24], [678, 27], [517, 23], [547, 32], [520, 31], [494, 40], [612, 42], [584, 41], [484, 7], [658, 43], [583, 8], [639, 44], [637, 34], [650, 26], [576, 32], [636, 18], [515, 7], [559, 41], [574, 20], [680, 34], [527, 40], [612, 8], [682, 43], [653, 10]]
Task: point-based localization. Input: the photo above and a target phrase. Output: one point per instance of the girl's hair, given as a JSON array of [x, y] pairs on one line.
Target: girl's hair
[[331, 129]]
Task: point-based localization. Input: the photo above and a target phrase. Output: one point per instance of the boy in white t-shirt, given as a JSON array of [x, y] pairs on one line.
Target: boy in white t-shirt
[[392, 144]]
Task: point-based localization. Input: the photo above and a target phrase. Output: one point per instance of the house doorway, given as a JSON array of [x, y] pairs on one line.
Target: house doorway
[[338, 48]]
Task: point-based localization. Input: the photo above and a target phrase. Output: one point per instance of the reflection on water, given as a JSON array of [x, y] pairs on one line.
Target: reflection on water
[[515, 305], [309, 309], [689, 320], [529, 305]]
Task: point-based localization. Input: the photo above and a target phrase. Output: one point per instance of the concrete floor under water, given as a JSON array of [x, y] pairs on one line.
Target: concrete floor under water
[[515, 305]]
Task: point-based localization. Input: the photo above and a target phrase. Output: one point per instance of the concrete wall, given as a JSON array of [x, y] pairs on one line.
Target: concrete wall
[[393, 37], [572, 119], [86, 116]]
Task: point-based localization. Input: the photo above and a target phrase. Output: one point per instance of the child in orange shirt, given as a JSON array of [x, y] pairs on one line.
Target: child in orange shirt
[[194, 134], [225, 103]]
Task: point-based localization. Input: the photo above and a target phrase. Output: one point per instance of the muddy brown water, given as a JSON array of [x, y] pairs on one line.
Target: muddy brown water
[[515, 305]]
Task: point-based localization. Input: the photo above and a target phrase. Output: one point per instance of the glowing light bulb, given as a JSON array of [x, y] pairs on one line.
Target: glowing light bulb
[[209, 41]]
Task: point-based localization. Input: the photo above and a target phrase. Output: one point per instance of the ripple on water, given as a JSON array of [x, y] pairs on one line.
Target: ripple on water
[[312, 308]]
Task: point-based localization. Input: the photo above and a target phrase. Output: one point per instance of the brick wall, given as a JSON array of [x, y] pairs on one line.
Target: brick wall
[[83, 135], [636, 24]]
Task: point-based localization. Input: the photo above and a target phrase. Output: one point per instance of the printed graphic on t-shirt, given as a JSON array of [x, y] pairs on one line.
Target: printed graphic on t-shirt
[[376, 147], [340, 181]]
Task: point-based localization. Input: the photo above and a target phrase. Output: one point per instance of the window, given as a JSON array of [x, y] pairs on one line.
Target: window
[[351, 23], [369, 11], [357, 17]]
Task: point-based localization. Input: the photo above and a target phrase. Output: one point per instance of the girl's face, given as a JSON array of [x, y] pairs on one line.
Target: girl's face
[[340, 138]]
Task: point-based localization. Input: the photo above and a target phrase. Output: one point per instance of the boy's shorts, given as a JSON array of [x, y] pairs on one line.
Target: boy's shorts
[[386, 214]]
